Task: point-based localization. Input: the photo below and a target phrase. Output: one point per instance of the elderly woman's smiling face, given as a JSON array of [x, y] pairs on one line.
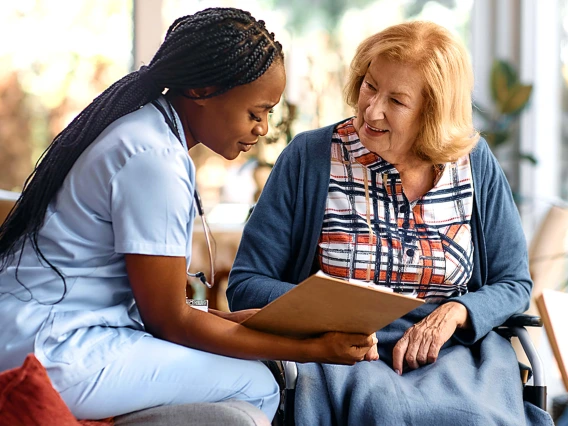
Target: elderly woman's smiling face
[[389, 110]]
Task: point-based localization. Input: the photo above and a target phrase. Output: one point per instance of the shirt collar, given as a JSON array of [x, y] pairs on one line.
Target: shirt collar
[[359, 153]]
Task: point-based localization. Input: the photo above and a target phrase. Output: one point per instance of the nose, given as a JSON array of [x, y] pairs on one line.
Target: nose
[[260, 129], [376, 109]]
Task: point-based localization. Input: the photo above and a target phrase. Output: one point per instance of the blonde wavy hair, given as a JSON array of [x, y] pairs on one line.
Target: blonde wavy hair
[[447, 131]]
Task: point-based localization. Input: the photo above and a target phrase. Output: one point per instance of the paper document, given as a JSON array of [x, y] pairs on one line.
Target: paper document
[[322, 303]]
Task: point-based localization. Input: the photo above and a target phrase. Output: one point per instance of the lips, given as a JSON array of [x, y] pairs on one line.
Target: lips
[[374, 129], [246, 147]]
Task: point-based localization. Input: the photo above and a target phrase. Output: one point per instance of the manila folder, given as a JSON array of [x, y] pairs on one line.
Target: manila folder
[[322, 303]]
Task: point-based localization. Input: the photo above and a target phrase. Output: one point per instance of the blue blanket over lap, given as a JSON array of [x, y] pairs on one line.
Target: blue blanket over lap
[[468, 385]]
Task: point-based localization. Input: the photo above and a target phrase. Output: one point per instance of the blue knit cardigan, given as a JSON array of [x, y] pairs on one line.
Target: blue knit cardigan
[[279, 241]]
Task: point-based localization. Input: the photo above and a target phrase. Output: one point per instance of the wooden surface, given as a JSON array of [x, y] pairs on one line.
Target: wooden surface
[[321, 304], [553, 308]]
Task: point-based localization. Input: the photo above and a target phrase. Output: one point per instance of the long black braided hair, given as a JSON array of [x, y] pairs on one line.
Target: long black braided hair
[[217, 47]]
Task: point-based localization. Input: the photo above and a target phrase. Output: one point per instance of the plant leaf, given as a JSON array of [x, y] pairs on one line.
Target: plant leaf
[[494, 139], [518, 99], [510, 73], [528, 157], [499, 83]]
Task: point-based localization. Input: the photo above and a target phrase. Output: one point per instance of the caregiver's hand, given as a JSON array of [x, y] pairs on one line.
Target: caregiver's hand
[[340, 348], [421, 343], [373, 354]]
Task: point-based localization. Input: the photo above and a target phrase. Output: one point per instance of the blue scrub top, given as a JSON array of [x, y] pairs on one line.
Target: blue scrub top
[[131, 191]]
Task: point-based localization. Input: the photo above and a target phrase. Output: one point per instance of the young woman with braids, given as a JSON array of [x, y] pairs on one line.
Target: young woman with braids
[[94, 255]]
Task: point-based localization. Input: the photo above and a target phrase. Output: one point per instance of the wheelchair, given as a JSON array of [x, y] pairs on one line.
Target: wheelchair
[[286, 372]]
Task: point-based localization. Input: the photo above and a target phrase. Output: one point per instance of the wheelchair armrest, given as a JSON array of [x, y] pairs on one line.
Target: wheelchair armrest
[[523, 320], [515, 327], [286, 374], [290, 374]]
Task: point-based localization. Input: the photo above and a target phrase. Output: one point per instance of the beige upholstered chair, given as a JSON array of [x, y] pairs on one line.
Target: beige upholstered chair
[[547, 263], [548, 251], [548, 260], [552, 306]]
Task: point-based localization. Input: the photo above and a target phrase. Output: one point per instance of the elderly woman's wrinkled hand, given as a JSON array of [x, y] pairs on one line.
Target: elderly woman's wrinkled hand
[[422, 342]]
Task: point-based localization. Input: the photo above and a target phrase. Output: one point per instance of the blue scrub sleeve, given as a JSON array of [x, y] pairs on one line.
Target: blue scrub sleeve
[[152, 205]]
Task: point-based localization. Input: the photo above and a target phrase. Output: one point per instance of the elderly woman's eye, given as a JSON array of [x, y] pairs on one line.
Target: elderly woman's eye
[[369, 85]]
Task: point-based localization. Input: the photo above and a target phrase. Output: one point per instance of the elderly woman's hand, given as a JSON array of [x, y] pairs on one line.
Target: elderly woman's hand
[[421, 343]]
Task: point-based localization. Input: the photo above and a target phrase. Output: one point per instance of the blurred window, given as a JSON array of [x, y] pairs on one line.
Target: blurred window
[[564, 113], [55, 57]]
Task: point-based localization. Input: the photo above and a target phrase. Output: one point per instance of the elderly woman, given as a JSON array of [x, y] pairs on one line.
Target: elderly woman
[[404, 195]]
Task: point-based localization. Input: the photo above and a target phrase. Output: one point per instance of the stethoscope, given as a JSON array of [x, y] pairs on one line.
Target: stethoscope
[[206, 232], [174, 128]]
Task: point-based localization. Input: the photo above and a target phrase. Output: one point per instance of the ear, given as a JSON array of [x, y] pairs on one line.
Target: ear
[[199, 94]]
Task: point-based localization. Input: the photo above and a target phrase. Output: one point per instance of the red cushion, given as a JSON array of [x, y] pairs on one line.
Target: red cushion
[[28, 398]]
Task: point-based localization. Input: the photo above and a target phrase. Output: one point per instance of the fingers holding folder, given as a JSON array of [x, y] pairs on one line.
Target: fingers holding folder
[[341, 316], [345, 348]]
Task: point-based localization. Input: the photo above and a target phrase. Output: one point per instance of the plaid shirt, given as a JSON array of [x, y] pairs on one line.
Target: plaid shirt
[[372, 233]]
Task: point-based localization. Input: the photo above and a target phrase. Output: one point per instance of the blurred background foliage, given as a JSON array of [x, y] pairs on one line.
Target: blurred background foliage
[[319, 39], [56, 56], [63, 53]]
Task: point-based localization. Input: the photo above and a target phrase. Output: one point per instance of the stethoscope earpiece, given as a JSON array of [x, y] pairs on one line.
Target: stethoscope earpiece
[[201, 277]]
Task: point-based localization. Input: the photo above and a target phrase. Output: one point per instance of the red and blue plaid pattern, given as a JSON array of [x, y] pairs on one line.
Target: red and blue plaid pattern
[[372, 233]]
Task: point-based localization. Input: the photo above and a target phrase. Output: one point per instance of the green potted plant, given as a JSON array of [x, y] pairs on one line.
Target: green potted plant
[[510, 97]]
